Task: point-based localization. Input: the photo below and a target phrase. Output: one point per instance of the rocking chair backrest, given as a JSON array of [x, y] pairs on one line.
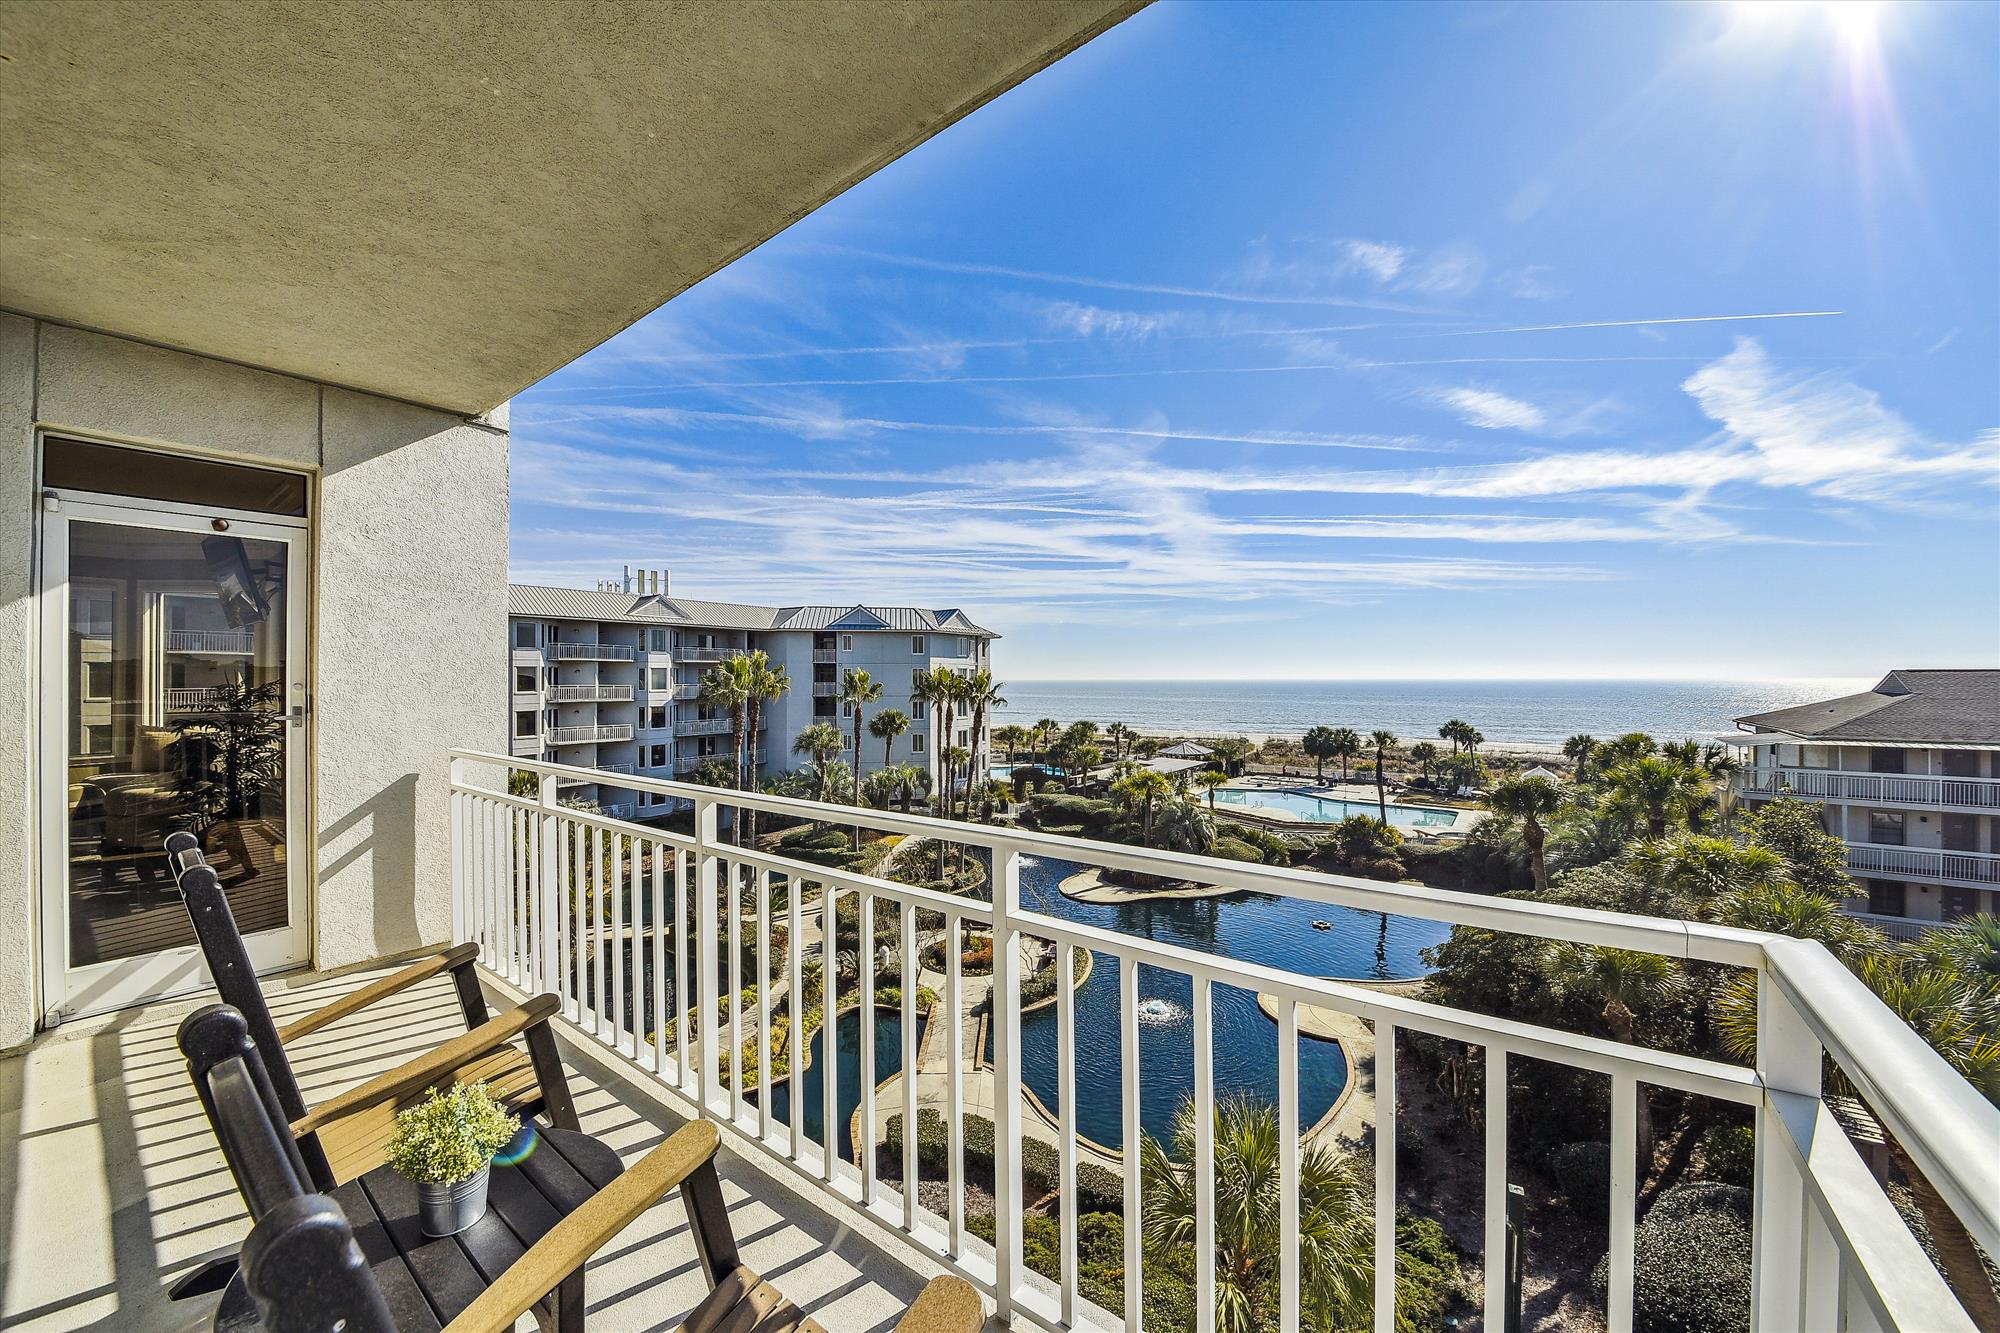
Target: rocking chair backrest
[[300, 1262], [229, 963]]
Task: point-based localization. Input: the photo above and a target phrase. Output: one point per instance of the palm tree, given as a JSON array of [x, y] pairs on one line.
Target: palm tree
[[982, 695], [1626, 982], [1012, 737], [1336, 1237], [858, 689], [1656, 790], [1318, 745], [1426, 755], [765, 682], [1578, 749], [1142, 789], [1530, 800], [1455, 732], [1346, 743], [822, 741], [887, 725], [1211, 778], [1119, 733], [726, 685], [1383, 741], [1046, 732], [937, 689]]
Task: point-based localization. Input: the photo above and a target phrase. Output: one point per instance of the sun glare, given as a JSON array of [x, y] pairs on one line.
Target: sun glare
[[1853, 23]]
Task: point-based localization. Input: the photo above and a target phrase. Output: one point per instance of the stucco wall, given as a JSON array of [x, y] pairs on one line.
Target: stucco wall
[[410, 612]]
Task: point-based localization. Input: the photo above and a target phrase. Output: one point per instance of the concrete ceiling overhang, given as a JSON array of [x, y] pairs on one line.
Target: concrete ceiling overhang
[[443, 202]]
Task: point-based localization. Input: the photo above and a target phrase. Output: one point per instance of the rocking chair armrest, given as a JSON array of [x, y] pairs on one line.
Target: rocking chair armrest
[[428, 1070], [947, 1305], [569, 1245], [444, 960]]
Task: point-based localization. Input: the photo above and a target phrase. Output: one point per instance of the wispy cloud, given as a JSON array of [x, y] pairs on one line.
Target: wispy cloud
[[1493, 411], [1091, 321], [1632, 323], [1377, 259]]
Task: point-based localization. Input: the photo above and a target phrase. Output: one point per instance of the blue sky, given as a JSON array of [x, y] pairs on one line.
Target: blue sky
[[1361, 341]]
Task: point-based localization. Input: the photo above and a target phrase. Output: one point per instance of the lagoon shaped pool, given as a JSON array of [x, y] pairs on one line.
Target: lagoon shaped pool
[[1326, 810]]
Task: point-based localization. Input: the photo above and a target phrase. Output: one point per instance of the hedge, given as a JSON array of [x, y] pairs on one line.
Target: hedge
[[1691, 1262], [1098, 1189], [1583, 1173], [1235, 849]]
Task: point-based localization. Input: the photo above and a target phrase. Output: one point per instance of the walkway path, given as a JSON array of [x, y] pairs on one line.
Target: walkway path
[[1353, 1120]]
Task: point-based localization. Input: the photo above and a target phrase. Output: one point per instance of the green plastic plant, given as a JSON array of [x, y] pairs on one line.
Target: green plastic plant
[[450, 1135]]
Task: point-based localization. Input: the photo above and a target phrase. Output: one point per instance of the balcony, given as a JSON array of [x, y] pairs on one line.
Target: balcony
[[579, 694], [687, 693], [825, 689], [824, 655], [187, 699], [1829, 1250], [589, 735], [714, 726], [592, 652], [703, 654], [1928, 864], [234, 642], [1883, 789]]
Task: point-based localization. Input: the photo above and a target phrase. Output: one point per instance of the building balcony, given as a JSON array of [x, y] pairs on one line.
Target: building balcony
[[1980, 870], [590, 734], [231, 642], [703, 654], [824, 655], [714, 726], [825, 689], [189, 698], [604, 694], [686, 693], [1829, 1249], [592, 652], [688, 763], [1890, 790]]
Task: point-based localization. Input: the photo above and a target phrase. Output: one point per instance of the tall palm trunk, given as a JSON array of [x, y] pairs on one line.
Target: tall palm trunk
[[738, 749], [1535, 836], [1956, 1252], [1618, 1018]]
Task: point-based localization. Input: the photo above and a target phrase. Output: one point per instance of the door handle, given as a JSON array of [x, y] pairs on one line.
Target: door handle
[[297, 715]]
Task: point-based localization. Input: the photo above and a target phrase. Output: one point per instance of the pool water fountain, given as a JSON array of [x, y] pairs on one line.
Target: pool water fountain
[[1156, 1010]]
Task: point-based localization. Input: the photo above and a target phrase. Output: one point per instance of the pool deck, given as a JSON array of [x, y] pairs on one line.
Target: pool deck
[[1352, 792]]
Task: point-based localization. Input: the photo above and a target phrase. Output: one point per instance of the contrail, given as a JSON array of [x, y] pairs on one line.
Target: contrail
[[1633, 323]]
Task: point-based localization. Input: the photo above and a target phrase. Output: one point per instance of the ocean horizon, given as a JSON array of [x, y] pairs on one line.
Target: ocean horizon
[[1507, 712]]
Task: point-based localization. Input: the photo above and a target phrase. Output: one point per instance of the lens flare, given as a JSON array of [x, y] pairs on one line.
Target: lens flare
[[520, 1149]]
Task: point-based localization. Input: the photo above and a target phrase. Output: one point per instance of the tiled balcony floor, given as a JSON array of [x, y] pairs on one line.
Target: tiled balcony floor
[[111, 1186]]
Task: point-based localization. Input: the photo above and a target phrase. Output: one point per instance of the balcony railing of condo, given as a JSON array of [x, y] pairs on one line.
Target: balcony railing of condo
[[600, 652], [1926, 863], [231, 641], [825, 689], [1829, 1249], [182, 699], [822, 655], [703, 654], [609, 694], [1832, 784], [590, 733], [713, 726], [685, 690]]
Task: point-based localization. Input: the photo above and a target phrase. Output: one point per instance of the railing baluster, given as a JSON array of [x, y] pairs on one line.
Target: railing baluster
[[1495, 1258], [459, 924], [954, 1093], [1128, 1052], [795, 992], [1789, 1059], [906, 921], [1204, 1156], [1006, 1018], [764, 972], [1065, 962], [600, 1006], [510, 830], [660, 867], [708, 910], [683, 982], [829, 1033], [548, 885], [1624, 1201], [1385, 1176], [1824, 1280], [563, 895], [616, 870], [733, 923], [1288, 1164], [864, 1131]]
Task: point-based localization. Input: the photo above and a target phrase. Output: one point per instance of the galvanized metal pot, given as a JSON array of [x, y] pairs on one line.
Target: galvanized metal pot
[[446, 1210]]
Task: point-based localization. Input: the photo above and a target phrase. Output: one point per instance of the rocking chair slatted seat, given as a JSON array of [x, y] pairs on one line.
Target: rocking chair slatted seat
[[352, 1145], [354, 1258]]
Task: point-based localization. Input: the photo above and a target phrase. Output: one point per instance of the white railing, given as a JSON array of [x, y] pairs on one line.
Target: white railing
[[1925, 863], [600, 652], [609, 694], [618, 810], [615, 768], [1832, 784], [586, 735], [700, 726], [565, 902], [1902, 929], [687, 691], [688, 763], [820, 655], [211, 641], [187, 698], [825, 689], [703, 654]]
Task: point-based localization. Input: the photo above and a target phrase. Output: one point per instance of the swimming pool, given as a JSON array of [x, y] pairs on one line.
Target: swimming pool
[[1326, 810]]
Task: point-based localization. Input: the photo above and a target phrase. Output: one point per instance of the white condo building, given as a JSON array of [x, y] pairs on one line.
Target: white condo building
[[610, 678], [1909, 773]]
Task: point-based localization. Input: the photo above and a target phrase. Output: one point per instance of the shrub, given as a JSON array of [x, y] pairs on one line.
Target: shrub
[[1583, 1173], [1427, 1269], [1235, 849], [1362, 838], [1731, 1153], [1042, 811], [1691, 1262], [1380, 867]]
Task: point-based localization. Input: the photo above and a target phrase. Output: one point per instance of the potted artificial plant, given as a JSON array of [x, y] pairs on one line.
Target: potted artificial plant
[[446, 1144]]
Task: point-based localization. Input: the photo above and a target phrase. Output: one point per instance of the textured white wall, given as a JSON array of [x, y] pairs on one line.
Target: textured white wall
[[410, 571]]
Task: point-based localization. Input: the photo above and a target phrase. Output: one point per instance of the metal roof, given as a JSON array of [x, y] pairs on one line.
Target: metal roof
[[530, 601]]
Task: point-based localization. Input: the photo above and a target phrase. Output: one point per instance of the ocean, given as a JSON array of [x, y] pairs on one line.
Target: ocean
[[1507, 712]]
